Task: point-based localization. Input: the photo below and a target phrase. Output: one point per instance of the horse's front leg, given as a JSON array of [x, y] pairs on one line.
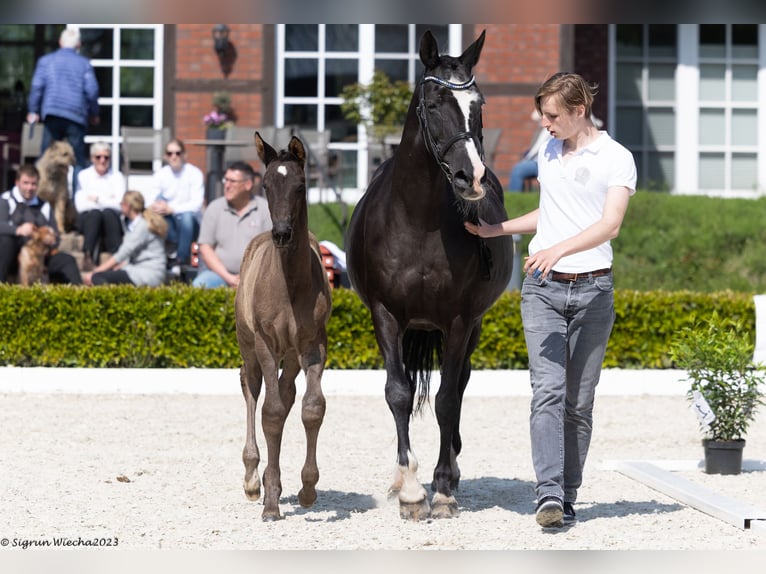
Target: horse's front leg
[[250, 380], [312, 415], [273, 415], [413, 498], [448, 408]]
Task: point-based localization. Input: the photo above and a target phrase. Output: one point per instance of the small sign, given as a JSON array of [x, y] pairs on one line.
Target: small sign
[[702, 408]]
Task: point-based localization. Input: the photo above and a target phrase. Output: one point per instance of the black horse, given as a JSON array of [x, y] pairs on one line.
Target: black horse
[[425, 279]]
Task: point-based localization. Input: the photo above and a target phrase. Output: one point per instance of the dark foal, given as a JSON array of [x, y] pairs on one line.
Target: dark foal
[[425, 279], [282, 308]]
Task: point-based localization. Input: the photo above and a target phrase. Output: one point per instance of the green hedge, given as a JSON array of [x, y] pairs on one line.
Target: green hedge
[[179, 326]]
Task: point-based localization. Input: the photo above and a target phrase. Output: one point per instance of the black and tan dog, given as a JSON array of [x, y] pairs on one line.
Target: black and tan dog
[[33, 253]]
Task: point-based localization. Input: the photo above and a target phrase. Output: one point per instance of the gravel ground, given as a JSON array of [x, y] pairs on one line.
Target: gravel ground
[[163, 471]]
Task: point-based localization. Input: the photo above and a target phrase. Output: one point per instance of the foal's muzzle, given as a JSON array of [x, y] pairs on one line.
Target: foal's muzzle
[[282, 233]]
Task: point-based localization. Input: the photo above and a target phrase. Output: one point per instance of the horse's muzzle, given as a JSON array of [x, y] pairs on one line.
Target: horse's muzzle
[[282, 233]]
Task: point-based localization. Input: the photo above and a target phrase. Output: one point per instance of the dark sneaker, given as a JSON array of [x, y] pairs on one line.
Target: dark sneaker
[[569, 514], [550, 512]]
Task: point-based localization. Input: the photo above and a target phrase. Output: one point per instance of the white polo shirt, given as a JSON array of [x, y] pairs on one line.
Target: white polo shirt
[[572, 197]]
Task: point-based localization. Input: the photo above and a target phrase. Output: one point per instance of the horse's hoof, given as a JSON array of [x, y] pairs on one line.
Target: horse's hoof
[[414, 511], [253, 490], [444, 506], [307, 497], [271, 516]]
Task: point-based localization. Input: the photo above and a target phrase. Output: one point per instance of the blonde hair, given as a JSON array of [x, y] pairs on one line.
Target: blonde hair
[[156, 222], [571, 90]]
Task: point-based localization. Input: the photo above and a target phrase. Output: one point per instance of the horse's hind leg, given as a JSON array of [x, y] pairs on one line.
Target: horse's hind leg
[[312, 415], [250, 380]]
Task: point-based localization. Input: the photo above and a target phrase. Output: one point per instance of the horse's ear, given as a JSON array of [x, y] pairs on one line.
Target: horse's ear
[[429, 50], [265, 151], [296, 148], [471, 55]]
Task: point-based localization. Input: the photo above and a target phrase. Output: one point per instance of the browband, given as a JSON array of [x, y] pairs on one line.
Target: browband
[[451, 85]]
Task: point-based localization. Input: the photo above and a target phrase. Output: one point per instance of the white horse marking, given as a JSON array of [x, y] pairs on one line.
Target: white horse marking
[[464, 99], [282, 170]]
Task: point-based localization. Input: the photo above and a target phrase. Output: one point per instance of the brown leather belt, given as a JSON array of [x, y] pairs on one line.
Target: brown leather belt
[[565, 277]]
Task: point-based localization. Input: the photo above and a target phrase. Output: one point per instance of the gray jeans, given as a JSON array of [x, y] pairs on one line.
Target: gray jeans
[[567, 327]]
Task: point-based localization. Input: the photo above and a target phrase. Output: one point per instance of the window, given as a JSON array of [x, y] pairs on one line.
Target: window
[[644, 97], [21, 45], [728, 107], [315, 61], [128, 64]]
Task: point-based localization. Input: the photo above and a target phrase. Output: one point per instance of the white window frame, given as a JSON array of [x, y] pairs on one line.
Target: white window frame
[[366, 57], [116, 101], [687, 107]]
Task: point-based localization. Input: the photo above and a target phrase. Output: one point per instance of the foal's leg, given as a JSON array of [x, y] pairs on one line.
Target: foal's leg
[[312, 415], [413, 499], [273, 416], [250, 380]]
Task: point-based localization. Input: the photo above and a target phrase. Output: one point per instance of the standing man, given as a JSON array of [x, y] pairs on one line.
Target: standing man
[[64, 96], [20, 212], [567, 298], [228, 225]]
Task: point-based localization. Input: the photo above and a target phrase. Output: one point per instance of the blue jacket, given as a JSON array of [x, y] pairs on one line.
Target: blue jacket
[[64, 84]]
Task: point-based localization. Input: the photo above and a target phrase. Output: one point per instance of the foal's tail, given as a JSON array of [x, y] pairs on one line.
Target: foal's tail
[[422, 350]]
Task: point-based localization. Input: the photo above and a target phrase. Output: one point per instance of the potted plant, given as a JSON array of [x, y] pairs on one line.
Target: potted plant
[[726, 387], [381, 106], [221, 117]]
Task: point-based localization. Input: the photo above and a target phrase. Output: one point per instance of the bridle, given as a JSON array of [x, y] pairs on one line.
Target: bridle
[[439, 151]]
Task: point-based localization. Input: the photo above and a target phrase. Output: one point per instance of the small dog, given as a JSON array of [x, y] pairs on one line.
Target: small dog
[[33, 253], [54, 166]]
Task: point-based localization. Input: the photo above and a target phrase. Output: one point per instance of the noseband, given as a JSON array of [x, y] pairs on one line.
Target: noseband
[[437, 150]]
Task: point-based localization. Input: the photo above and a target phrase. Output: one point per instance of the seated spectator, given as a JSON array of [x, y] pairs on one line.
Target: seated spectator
[[527, 165], [228, 225], [99, 190], [21, 210], [141, 259], [179, 190]]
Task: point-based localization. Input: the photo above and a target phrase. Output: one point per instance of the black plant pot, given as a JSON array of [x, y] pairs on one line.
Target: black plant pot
[[723, 456], [215, 134]]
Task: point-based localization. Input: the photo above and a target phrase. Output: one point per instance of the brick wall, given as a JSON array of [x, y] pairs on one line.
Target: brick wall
[[198, 74], [515, 60]]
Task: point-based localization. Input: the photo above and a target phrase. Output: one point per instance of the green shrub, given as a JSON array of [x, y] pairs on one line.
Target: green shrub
[[719, 363], [180, 326]]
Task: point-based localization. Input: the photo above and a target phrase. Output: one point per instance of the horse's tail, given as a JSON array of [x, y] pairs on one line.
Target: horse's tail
[[422, 350]]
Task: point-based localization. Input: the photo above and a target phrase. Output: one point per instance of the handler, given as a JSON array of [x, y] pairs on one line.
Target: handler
[[567, 298]]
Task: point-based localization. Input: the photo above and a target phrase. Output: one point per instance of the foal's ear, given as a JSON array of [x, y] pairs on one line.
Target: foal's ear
[[429, 50], [265, 151], [472, 52], [296, 148]]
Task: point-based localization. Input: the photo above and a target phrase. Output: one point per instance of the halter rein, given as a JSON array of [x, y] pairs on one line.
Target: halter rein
[[436, 150]]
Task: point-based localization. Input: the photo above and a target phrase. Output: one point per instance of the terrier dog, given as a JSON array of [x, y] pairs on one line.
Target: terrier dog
[[33, 253], [54, 183]]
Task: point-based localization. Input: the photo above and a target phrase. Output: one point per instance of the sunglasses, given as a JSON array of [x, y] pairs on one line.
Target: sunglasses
[[100, 157], [172, 153]]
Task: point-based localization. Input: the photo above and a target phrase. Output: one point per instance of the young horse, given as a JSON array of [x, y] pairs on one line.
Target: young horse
[[282, 308], [426, 281]]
